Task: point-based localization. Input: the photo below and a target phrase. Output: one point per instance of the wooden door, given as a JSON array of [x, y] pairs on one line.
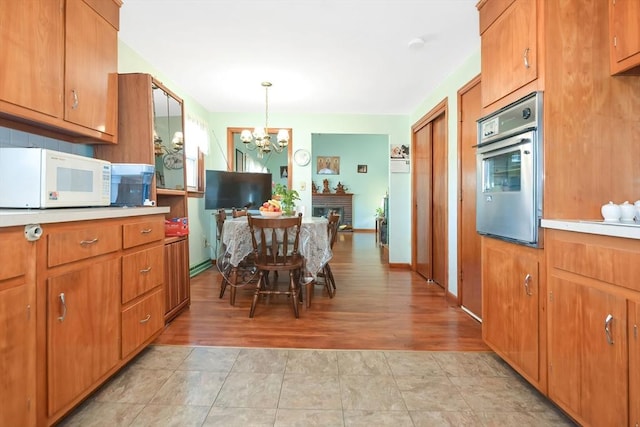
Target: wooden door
[[32, 55], [91, 66], [469, 278], [439, 201], [83, 333], [422, 195], [429, 179]]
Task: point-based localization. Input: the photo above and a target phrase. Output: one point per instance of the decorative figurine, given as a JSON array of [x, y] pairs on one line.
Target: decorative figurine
[[340, 189], [314, 187], [325, 185]]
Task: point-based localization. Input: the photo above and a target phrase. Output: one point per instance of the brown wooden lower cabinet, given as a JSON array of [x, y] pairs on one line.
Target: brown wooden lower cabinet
[[17, 330], [99, 303], [82, 329], [513, 306], [592, 322], [634, 363], [176, 278]]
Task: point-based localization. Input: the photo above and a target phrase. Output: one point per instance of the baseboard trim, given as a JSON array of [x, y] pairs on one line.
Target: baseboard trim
[[199, 268], [403, 266]]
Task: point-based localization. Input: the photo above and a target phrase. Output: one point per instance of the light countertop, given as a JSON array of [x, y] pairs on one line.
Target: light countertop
[[629, 230], [17, 217]]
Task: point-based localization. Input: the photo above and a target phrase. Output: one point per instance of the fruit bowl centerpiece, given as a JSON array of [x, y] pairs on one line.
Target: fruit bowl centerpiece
[[271, 209]]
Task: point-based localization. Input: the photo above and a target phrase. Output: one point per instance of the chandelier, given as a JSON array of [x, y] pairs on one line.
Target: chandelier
[[260, 139]]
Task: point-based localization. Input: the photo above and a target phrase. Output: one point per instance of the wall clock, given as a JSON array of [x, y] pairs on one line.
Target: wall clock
[[302, 157], [173, 161]]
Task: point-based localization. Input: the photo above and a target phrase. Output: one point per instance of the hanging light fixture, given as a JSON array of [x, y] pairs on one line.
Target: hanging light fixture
[[260, 139]]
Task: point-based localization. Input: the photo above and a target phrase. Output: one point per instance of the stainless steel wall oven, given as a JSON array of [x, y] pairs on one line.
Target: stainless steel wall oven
[[510, 172]]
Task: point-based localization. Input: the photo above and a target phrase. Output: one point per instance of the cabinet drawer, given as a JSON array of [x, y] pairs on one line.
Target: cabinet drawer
[[13, 244], [141, 272], [142, 232], [607, 259], [141, 321], [73, 245]]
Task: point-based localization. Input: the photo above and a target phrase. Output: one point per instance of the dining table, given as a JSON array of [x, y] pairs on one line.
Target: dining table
[[314, 246]]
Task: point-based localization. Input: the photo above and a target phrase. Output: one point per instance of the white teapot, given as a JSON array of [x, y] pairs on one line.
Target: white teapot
[[611, 212]]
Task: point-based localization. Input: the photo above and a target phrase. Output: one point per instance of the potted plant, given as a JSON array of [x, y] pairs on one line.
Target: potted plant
[[379, 213], [287, 198]]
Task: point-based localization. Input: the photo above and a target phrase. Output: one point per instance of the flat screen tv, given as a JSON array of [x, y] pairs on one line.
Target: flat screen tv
[[226, 190]]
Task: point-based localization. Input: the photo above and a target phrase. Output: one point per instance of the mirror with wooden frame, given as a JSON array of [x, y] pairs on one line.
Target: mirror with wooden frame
[[168, 139], [244, 159]]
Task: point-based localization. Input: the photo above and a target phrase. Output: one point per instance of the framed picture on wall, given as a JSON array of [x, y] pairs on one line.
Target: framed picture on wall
[[328, 165], [362, 168], [284, 172]]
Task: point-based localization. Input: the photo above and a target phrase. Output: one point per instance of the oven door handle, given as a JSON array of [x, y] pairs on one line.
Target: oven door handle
[[486, 148]]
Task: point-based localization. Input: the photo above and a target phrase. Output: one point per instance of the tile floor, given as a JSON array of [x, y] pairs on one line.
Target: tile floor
[[221, 386]]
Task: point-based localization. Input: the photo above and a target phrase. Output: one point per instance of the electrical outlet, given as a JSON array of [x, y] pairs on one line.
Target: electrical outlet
[[303, 186]]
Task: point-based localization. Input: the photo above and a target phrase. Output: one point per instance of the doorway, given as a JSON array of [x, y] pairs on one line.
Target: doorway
[[429, 183], [469, 266]]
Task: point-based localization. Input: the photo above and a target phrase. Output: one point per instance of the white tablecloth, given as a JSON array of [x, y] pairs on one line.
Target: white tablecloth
[[314, 243]]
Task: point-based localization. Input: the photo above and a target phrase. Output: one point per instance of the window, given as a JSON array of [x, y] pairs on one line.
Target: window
[[196, 147]]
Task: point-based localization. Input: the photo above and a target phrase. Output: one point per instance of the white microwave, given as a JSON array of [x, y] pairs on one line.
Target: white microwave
[[41, 178]]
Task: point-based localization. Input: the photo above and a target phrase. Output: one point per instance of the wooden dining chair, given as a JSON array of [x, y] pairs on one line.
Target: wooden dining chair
[[275, 247], [238, 212], [244, 272], [326, 275]]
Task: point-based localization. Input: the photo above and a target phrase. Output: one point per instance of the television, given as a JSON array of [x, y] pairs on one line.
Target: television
[[226, 190]]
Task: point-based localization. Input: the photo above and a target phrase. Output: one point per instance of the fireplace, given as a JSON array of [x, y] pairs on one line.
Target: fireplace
[[322, 203]]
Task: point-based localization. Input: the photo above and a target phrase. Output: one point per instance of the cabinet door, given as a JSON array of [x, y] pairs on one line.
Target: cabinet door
[[526, 297], [497, 299], [91, 66], [17, 331], [509, 51], [83, 330], [176, 278], [624, 28], [31, 70], [605, 355], [634, 363], [588, 373]]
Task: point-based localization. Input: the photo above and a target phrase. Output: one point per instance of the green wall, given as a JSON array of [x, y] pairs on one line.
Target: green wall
[[396, 129]]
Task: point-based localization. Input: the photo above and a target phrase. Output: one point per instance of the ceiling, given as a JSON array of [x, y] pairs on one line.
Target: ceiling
[[322, 56]]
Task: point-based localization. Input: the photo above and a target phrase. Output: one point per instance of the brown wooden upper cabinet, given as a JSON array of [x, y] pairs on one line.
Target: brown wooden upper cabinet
[[509, 48], [624, 35], [59, 68]]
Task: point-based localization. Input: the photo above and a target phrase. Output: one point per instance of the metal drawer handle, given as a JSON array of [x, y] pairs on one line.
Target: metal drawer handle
[[145, 270], [527, 281], [75, 99], [525, 57], [146, 231], [146, 319], [607, 331], [89, 242], [63, 303]]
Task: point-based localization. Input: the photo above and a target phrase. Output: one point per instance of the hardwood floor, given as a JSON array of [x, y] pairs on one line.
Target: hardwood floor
[[375, 308]]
